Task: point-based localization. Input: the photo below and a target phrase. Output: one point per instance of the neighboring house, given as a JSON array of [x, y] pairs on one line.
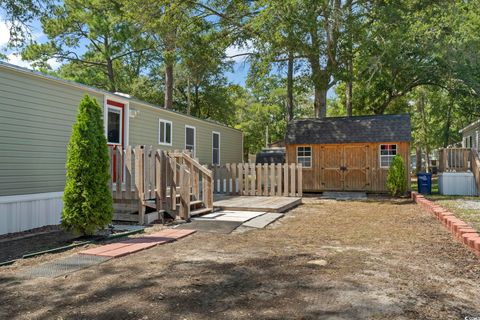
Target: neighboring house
[[471, 135], [348, 153], [36, 117]]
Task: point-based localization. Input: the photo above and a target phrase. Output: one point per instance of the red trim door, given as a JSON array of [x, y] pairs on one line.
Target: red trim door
[[115, 129]]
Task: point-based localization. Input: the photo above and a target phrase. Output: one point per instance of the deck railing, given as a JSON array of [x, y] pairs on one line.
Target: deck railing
[[158, 179], [258, 180], [454, 159]]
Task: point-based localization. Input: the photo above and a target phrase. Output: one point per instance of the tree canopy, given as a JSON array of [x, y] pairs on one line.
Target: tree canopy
[[304, 58]]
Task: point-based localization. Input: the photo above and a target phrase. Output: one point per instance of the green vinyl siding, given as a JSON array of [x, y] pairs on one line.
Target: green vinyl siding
[[36, 118], [144, 130]]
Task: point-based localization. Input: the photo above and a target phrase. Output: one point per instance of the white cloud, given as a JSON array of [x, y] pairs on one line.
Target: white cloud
[[4, 33], [16, 59], [235, 52]]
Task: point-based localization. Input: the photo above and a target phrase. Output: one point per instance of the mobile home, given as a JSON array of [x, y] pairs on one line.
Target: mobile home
[[36, 117]]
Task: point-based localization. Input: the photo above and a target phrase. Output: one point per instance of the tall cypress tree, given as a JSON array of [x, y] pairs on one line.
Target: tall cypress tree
[[87, 199]]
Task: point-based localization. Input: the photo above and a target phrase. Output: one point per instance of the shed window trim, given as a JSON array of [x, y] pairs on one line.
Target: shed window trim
[[167, 132], [387, 154], [189, 146], [304, 156], [217, 149]]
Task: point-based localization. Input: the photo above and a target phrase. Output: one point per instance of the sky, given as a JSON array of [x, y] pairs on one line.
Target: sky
[[237, 76]]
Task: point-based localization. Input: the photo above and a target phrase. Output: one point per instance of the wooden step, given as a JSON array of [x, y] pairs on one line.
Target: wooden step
[[195, 202], [200, 212]]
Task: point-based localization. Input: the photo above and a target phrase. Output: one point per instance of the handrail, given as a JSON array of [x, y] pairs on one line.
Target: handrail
[[475, 166]]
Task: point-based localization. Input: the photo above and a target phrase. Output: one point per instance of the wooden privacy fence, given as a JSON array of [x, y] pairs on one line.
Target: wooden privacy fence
[[158, 179], [454, 159], [258, 180]]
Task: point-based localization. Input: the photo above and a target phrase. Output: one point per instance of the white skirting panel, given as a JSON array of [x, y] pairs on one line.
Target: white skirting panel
[[29, 211], [457, 184]]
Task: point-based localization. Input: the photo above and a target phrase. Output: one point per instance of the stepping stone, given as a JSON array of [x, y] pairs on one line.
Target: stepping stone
[[263, 220], [239, 216], [212, 226], [344, 195]]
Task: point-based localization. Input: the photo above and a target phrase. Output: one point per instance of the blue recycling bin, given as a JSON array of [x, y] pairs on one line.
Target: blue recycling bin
[[424, 182]]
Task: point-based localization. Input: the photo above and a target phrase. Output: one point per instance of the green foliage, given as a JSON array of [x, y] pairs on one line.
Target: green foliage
[[397, 177], [87, 199]]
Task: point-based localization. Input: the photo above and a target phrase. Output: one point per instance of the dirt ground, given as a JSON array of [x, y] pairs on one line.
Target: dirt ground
[[324, 260]]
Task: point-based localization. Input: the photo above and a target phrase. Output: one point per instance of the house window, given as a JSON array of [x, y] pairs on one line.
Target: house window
[[215, 148], [387, 152], [164, 132], [190, 139], [114, 125], [304, 156], [470, 138]]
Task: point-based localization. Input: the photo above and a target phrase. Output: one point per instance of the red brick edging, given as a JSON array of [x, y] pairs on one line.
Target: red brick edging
[[460, 230]]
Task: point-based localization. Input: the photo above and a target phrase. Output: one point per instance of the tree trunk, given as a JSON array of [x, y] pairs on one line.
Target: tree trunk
[[188, 97], [446, 136], [290, 87], [349, 83], [348, 98], [169, 85], [418, 152], [111, 75], [320, 102], [320, 83]]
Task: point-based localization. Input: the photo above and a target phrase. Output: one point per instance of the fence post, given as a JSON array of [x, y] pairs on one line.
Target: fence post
[[292, 180], [173, 183], [184, 182], [299, 180], [128, 172], [246, 184], [240, 179], [265, 179], [110, 182], [259, 180], [278, 173], [118, 182], [285, 180], [252, 177], [272, 179], [139, 183]]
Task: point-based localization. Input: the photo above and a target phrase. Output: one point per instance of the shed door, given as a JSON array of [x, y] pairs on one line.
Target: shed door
[[355, 167], [331, 173], [344, 167]]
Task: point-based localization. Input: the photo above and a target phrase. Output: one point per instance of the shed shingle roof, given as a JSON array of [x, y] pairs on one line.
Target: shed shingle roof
[[382, 128]]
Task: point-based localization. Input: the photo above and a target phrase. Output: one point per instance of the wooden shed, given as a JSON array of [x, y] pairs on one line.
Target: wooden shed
[[348, 153]]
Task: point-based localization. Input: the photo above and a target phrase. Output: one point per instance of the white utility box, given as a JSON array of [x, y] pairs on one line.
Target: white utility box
[[457, 184]]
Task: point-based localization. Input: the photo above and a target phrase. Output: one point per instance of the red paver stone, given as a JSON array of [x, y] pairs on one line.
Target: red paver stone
[[104, 248], [129, 246], [127, 250]]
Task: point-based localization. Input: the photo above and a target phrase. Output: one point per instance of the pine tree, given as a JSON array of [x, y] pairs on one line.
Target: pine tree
[[396, 177], [87, 199]]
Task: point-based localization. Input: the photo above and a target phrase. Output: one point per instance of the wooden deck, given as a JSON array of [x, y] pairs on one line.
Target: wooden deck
[[252, 203]]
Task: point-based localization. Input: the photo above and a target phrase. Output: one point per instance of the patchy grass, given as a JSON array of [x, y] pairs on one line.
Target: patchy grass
[[452, 203], [324, 259]]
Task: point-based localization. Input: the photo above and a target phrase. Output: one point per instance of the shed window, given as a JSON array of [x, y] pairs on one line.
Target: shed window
[[387, 152], [164, 132], [215, 148], [190, 139], [304, 156]]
